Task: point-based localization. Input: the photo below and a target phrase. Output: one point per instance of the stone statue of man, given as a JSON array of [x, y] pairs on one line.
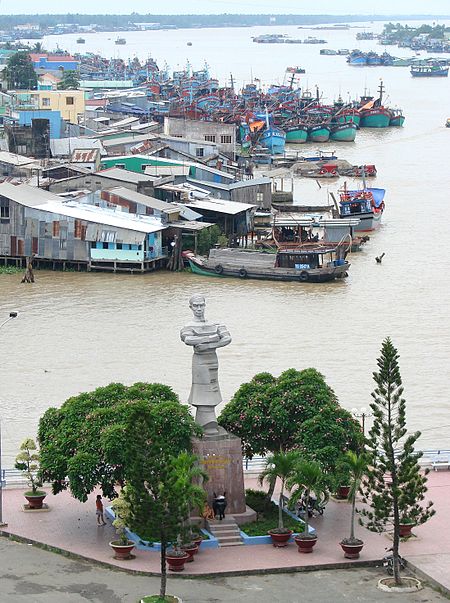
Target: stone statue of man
[[205, 337]]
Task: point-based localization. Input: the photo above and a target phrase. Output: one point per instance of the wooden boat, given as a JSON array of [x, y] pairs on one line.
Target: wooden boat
[[318, 263], [367, 204]]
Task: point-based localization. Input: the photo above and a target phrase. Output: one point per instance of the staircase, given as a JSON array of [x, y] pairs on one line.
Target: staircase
[[226, 531]]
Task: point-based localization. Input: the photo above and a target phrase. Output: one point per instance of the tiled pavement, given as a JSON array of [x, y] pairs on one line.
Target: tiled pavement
[[71, 526]]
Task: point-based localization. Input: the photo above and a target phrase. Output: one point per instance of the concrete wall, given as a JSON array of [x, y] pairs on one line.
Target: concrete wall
[[197, 130]]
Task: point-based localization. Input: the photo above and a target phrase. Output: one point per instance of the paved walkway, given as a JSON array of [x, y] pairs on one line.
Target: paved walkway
[[71, 526]]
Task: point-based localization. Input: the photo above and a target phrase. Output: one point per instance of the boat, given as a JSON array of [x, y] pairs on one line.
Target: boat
[[81, 41], [429, 71], [120, 41], [296, 134], [397, 118], [343, 132], [274, 139], [367, 204], [328, 51], [319, 133], [357, 57], [318, 263], [447, 123]]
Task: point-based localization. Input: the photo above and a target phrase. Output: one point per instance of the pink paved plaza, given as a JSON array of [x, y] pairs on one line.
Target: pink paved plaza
[[71, 526]]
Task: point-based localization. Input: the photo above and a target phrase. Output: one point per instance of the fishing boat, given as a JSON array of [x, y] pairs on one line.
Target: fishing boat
[[367, 204], [81, 41], [348, 114], [296, 134], [120, 41], [319, 133], [274, 139], [429, 71], [357, 58], [373, 113], [397, 118], [319, 263], [343, 132]]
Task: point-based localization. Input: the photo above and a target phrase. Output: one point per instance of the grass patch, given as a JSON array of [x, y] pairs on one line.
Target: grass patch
[[10, 270], [267, 518]]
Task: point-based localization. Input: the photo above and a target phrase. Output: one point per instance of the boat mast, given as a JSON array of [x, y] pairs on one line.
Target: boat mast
[[381, 89]]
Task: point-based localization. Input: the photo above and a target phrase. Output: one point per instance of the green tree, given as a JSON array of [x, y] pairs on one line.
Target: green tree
[[19, 73], [70, 81], [158, 500], [394, 486], [357, 467], [307, 477], [280, 466], [90, 440]]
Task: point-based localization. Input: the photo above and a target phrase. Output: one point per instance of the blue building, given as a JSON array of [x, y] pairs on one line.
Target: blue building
[[54, 62], [54, 117]]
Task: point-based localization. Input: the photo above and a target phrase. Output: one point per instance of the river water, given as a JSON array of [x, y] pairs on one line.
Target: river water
[[79, 331]]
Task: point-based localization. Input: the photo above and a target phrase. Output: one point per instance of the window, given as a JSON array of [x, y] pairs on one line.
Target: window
[[199, 152], [70, 100], [63, 237], [225, 139], [4, 210], [210, 137], [144, 166], [120, 165], [46, 102], [56, 228], [259, 197]]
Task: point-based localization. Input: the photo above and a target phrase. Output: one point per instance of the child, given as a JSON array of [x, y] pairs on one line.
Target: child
[[99, 511]]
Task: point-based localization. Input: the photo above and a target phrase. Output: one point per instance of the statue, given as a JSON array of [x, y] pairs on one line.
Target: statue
[[205, 337]]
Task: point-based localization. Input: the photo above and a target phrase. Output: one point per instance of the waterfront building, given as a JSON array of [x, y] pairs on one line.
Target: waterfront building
[[224, 135], [54, 62], [70, 103], [63, 233]]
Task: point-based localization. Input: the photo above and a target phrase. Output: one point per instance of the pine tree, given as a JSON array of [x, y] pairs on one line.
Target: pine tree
[[394, 486]]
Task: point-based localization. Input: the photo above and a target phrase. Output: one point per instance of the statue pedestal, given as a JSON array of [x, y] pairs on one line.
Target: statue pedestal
[[221, 458]]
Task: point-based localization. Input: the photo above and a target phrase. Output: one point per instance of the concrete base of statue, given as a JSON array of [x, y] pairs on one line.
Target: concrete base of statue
[[220, 456]]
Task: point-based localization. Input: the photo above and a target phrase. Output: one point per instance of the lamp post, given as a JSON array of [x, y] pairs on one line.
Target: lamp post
[[363, 414], [2, 524]]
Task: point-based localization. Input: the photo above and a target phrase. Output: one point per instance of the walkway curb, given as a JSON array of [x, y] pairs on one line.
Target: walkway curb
[[225, 574], [428, 579]]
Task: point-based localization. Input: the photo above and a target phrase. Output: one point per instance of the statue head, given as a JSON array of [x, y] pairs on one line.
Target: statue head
[[197, 304]]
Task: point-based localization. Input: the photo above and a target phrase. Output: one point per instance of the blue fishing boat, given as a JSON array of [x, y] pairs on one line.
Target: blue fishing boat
[[274, 139], [367, 204], [357, 57]]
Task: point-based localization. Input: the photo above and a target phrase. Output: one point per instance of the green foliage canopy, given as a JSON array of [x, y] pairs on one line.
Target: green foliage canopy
[[19, 73], [70, 81], [91, 440], [296, 410]]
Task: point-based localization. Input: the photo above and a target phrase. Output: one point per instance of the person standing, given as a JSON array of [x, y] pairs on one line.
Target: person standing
[[99, 511]]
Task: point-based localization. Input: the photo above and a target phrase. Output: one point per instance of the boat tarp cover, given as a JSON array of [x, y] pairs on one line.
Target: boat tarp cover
[[377, 193]]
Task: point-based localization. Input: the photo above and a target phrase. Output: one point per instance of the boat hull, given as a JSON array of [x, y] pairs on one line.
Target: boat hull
[[397, 121], [374, 118], [368, 221], [297, 135], [319, 134], [274, 140], [321, 275], [429, 73], [343, 132]]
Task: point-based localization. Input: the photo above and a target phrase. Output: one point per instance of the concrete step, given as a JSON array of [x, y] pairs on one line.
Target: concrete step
[[224, 528], [226, 540], [223, 544]]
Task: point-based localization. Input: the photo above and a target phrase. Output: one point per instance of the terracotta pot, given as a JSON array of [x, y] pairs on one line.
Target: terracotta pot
[[405, 529], [305, 545], [176, 564], [343, 491], [197, 541], [351, 551], [35, 500], [279, 540], [122, 551], [191, 551]]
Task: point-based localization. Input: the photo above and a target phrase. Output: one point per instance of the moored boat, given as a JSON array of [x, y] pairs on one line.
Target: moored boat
[[429, 71], [274, 139], [397, 118], [296, 134], [366, 204], [319, 133], [375, 117], [81, 41], [345, 132], [318, 264], [120, 41]]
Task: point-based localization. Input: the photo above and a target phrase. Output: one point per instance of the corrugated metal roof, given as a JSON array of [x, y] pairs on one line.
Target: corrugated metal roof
[[189, 225], [30, 196], [14, 159], [145, 200], [84, 155], [218, 205], [64, 146]]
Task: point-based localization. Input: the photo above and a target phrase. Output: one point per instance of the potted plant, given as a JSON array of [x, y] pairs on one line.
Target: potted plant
[[342, 479], [27, 461], [405, 526], [357, 464], [176, 558], [123, 546], [280, 465], [308, 477]]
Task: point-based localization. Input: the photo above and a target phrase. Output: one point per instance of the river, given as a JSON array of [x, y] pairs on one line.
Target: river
[[79, 331]]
